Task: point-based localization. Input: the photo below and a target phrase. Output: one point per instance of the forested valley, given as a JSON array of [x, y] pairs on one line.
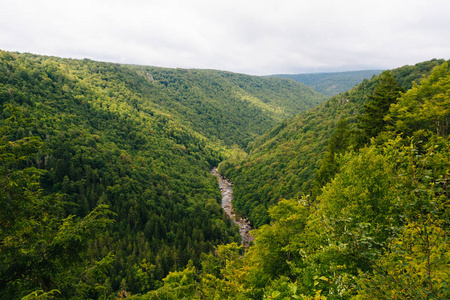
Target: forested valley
[[106, 190], [105, 183]]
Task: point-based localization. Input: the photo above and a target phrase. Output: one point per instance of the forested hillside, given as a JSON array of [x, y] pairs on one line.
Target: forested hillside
[[223, 106], [105, 184], [377, 225], [106, 191], [282, 162], [331, 84]]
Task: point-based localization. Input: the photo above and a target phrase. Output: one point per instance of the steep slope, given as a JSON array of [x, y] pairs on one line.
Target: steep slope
[[282, 162], [331, 84], [377, 230], [138, 139], [99, 148], [226, 107]]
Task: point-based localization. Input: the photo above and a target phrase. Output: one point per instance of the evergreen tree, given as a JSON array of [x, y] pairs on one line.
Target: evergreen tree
[[385, 93], [41, 250], [338, 143]]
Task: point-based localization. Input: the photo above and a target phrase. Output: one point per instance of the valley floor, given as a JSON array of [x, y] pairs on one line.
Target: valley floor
[[226, 190]]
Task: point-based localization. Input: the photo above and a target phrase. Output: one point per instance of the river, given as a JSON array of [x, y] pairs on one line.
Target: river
[[226, 188]]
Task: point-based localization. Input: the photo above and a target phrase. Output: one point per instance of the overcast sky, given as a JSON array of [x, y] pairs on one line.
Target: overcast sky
[[257, 37]]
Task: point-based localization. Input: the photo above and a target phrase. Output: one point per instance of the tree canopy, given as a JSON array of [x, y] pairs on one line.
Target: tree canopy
[[378, 229], [106, 191]]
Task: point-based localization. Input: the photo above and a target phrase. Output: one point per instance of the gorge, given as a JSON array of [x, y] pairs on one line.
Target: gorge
[[226, 189]]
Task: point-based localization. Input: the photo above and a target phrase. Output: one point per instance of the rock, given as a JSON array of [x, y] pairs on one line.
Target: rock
[[226, 189]]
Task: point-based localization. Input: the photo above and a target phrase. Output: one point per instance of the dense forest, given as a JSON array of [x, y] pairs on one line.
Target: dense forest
[[105, 183], [332, 84], [283, 162], [373, 222], [106, 191]]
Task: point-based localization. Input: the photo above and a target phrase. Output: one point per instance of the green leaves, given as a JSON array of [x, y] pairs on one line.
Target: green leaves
[[386, 92], [40, 294], [329, 166], [37, 246], [425, 106], [414, 267], [139, 141]]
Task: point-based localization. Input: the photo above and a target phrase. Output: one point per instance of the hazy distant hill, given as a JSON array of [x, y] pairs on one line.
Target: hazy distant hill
[[332, 84]]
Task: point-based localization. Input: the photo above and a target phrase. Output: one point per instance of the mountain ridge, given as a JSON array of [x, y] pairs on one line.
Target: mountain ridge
[[331, 83]]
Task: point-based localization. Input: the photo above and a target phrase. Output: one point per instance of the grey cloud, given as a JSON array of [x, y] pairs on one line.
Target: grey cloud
[[255, 37]]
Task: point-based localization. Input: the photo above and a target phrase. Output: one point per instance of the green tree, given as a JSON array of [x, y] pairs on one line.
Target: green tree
[[425, 106], [386, 92], [38, 243], [338, 143], [415, 262], [177, 285]]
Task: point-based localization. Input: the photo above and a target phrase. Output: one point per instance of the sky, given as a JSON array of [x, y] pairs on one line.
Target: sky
[[257, 37]]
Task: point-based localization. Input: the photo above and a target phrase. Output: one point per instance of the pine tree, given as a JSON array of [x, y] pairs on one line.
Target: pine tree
[[385, 93], [41, 249], [338, 143]]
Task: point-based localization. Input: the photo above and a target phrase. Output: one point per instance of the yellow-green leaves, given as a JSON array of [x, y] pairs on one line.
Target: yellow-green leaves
[[416, 265], [426, 105]]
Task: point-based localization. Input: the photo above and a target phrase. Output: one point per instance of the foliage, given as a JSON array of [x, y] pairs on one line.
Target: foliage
[[99, 149], [227, 107], [38, 245], [235, 158], [138, 139], [177, 285], [378, 228], [425, 106], [283, 163], [338, 144], [415, 267], [385, 93], [416, 261], [106, 193]]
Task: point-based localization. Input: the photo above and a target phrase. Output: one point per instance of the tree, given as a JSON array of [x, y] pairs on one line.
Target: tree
[[338, 143], [386, 92], [415, 261], [425, 105], [38, 243]]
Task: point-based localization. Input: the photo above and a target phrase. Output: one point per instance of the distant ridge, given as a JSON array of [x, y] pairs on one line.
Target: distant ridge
[[332, 84]]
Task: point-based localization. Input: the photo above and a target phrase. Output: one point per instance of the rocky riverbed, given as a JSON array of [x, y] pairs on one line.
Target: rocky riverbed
[[226, 188]]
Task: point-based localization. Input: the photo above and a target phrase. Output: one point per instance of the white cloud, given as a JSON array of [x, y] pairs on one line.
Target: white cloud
[[256, 37]]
